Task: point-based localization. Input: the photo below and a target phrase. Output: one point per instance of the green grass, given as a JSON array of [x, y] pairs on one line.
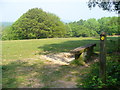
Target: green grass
[[22, 66], [19, 49]]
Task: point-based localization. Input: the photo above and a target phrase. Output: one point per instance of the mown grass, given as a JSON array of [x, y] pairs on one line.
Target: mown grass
[[19, 49], [22, 66]]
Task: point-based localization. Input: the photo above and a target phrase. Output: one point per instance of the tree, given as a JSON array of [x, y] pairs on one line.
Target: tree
[[109, 25], [109, 5], [35, 24], [92, 24], [103, 24], [113, 25], [83, 28]]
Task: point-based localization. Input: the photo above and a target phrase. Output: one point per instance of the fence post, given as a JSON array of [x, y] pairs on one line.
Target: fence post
[[103, 57]]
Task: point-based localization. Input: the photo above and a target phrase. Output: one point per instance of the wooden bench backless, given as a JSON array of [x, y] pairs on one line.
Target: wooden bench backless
[[85, 52]]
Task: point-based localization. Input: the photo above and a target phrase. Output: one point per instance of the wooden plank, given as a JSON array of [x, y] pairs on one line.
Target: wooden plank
[[77, 50]]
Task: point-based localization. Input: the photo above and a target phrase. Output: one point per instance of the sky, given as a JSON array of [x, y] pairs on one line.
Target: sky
[[67, 10]]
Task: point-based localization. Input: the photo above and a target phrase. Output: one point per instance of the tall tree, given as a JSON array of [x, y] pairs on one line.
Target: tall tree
[[109, 25], [92, 24], [36, 23]]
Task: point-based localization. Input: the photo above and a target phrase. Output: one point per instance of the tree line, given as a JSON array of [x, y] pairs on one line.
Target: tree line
[[93, 27], [36, 24]]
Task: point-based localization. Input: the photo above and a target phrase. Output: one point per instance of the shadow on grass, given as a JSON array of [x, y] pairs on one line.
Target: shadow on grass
[[19, 74], [11, 74], [22, 73], [72, 44], [67, 46]]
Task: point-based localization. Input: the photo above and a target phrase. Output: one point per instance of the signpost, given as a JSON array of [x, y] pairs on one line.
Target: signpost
[[103, 56]]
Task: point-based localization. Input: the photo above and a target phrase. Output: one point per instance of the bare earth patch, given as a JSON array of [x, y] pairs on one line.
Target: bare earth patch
[[41, 71], [59, 58], [68, 81]]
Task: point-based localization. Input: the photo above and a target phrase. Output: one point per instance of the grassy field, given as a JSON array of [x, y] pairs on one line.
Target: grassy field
[[22, 66], [19, 49]]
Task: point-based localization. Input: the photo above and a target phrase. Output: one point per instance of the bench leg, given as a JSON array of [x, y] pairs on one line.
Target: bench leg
[[77, 56], [89, 53], [80, 58], [85, 55]]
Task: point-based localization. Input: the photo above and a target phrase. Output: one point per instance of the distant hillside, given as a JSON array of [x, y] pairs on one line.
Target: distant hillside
[[6, 23], [66, 21]]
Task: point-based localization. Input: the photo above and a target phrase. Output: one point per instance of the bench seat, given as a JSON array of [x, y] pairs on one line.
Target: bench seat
[[83, 52], [77, 50]]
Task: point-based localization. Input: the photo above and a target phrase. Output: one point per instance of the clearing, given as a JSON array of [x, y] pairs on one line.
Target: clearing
[[38, 64]]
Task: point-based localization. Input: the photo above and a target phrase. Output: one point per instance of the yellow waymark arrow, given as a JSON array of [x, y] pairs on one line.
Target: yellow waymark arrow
[[102, 38]]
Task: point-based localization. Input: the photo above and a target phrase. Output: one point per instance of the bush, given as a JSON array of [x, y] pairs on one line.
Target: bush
[[92, 79]]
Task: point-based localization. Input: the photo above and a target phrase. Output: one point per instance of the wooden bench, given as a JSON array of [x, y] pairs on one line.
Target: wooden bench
[[84, 52]]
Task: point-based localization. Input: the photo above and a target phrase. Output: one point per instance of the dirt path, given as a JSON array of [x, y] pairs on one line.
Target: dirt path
[[60, 76], [45, 71], [66, 75]]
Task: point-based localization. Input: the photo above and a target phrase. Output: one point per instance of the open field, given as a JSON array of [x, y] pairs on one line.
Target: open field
[[19, 49], [22, 66]]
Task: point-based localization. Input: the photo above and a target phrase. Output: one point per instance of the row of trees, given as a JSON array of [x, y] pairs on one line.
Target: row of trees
[[36, 23], [93, 27]]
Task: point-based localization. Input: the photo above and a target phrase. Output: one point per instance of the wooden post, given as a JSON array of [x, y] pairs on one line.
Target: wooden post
[[103, 56]]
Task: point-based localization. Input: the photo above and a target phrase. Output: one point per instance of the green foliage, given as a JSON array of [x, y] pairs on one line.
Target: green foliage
[[35, 24], [93, 27], [77, 62], [92, 79], [6, 33], [80, 30], [109, 25], [92, 24], [113, 44]]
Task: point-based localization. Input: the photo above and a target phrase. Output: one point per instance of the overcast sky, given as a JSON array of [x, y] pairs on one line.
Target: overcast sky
[[71, 10]]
